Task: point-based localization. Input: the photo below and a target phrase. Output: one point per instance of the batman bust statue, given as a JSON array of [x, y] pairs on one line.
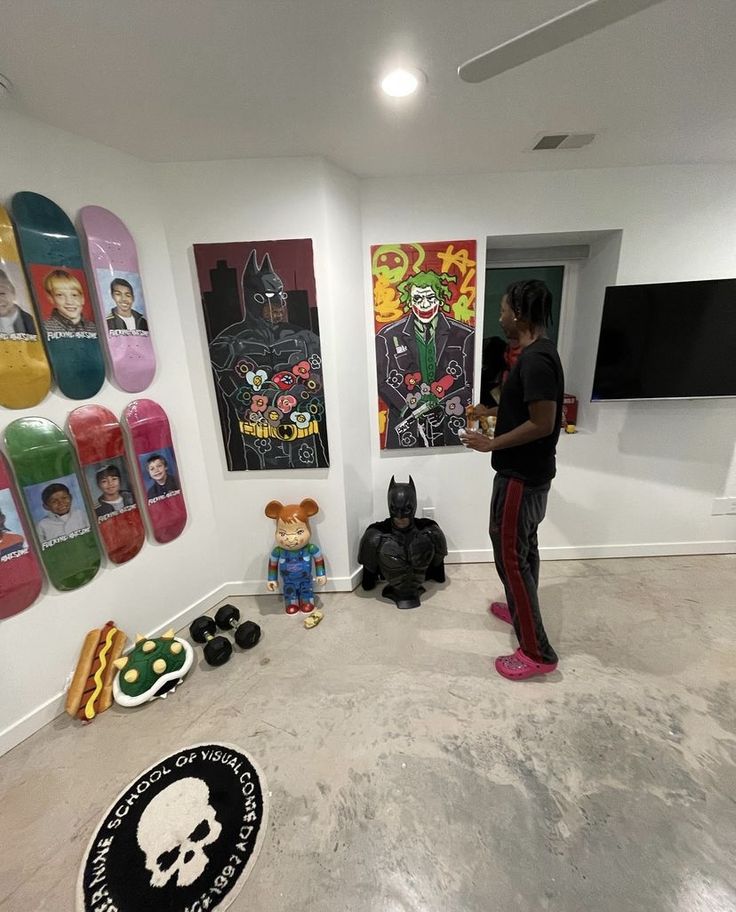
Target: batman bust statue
[[402, 550]]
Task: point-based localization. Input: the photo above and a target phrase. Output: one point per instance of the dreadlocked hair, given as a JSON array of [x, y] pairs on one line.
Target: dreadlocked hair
[[531, 301]]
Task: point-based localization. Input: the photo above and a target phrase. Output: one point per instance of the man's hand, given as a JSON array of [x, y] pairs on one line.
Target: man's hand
[[320, 580], [272, 585], [541, 423], [474, 440], [483, 411]]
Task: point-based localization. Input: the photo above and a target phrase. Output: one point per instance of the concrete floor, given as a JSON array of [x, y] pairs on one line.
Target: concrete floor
[[406, 775]]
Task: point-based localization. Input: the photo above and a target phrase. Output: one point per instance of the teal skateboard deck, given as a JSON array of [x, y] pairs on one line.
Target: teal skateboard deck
[[99, 441], [45, 469], [53, 259], [25, 377]]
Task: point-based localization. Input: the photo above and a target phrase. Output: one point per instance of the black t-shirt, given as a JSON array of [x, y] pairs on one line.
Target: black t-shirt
[[537, 376]]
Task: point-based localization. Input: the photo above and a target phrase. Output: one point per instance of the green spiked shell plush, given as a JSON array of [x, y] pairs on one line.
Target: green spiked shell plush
[[153, 668]]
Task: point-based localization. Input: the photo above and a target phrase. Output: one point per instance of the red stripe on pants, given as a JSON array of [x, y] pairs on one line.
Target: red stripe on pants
[[509, 537]]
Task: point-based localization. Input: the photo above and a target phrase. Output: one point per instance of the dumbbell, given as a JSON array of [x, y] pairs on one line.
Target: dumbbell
[[246, 635], [218, 649]]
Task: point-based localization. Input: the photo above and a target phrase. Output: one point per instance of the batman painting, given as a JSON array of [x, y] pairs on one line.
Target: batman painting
[[268, 373]]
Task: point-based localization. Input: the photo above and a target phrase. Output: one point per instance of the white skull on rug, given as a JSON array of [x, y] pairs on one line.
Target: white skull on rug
[[174, 830]]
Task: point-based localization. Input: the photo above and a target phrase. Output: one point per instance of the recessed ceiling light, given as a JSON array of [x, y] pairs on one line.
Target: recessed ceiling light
[[402, 82]]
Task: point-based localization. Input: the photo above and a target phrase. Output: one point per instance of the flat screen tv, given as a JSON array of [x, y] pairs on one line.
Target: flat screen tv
[[674, 340]]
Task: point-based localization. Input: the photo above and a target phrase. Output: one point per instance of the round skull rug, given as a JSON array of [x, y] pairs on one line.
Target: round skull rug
[[183, 836]]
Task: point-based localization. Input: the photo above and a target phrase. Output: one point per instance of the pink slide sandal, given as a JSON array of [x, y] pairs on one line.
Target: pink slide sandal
[[501, 611], [519, 666]]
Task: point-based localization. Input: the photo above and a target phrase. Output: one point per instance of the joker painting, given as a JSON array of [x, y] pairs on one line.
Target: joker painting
[[424, 313]]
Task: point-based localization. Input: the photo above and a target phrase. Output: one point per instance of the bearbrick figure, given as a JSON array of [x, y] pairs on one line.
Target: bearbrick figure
[[293, 555]]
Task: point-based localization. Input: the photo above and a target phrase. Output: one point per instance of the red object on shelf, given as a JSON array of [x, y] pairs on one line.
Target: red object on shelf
[[569, 410]]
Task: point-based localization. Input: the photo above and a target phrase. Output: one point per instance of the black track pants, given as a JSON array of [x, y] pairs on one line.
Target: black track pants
[[517, 509]]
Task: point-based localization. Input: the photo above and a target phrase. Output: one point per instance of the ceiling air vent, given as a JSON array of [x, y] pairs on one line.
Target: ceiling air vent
[[548, 141]]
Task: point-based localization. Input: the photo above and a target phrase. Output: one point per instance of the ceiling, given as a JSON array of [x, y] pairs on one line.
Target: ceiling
[[195, 80]]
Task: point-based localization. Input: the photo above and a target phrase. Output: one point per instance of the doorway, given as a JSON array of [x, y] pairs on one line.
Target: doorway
[[498, 280]]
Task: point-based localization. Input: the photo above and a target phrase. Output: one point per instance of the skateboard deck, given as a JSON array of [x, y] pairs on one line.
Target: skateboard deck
[[53, 260], [121, 307], [98, 439], [20, 573], [45, 468], [150, 435], [25, 376]]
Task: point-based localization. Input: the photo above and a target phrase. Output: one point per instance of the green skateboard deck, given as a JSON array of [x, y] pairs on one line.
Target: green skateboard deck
[[25, 377], [53, 261], [46, 472]]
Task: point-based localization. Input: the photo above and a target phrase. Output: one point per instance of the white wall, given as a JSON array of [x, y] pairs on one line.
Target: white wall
[[39, 647], [345, 262], [639, 478], [269, 200]]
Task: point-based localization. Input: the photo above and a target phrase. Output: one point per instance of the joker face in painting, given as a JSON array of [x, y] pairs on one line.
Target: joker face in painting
[[425, 293], [425, 304]]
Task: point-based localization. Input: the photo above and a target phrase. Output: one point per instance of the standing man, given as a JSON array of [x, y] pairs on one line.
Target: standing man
[[523, 448]]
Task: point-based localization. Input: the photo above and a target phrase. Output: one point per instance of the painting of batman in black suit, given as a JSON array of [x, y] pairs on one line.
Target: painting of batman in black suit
[[267, 369]]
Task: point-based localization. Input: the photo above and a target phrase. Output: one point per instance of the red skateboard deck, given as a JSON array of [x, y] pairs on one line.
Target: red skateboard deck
[[20, 572], [98, 439], [150, 435], [119, 292]]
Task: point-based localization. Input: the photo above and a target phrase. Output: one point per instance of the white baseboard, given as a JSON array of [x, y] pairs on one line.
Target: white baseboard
[[595, 552], [648, 549], [54, 706], [240, 588], [30, 723], [483, 556]]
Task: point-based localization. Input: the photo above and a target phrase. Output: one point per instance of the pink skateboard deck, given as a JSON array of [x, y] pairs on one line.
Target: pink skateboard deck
[[150, 435], [121, 306], [20, 571], [99, 441]]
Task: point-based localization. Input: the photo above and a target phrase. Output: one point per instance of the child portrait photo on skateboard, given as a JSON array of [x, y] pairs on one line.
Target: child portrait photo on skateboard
[[57, 509]]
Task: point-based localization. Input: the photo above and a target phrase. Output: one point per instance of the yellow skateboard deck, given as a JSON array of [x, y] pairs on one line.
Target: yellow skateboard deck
[[25, 376]]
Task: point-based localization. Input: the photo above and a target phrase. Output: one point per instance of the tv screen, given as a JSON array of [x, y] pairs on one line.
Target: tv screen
[[674, 340]]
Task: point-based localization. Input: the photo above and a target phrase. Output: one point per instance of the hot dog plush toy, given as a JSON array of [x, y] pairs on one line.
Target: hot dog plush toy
[[90, 692]]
